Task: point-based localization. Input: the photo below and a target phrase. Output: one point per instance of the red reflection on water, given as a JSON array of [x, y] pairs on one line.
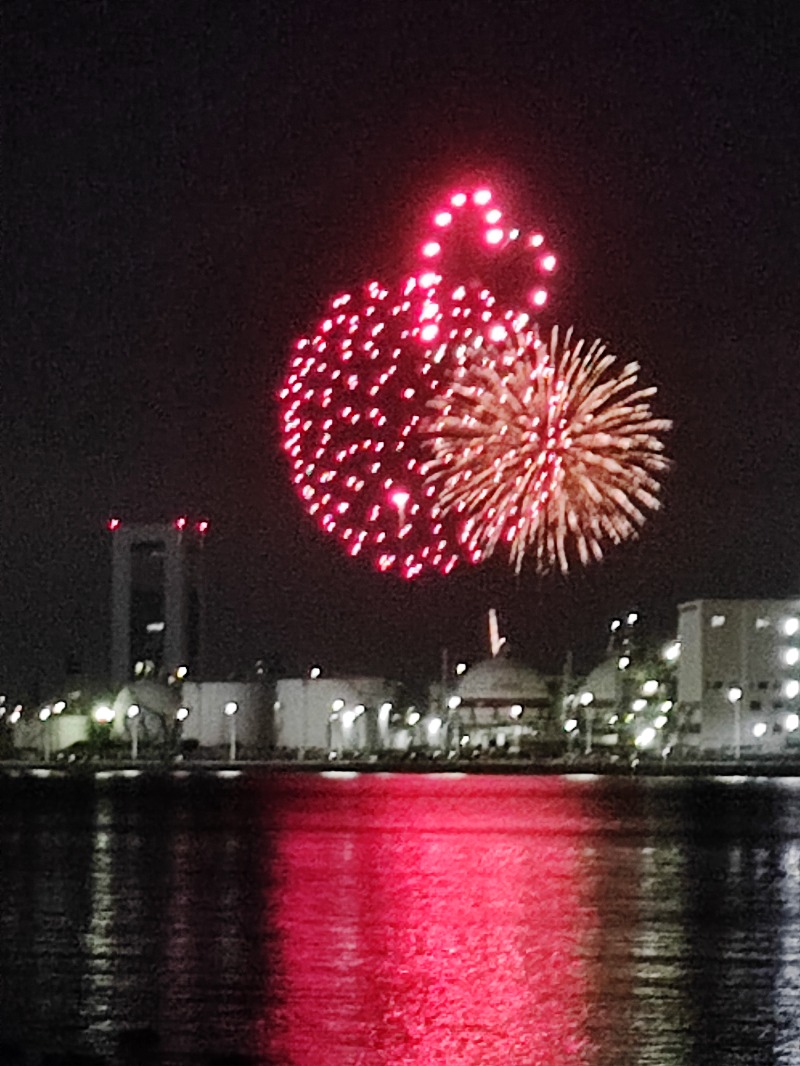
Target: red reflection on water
[[430, 920]]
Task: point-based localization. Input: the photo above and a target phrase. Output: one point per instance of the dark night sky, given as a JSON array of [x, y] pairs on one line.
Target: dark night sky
[[186, 184]]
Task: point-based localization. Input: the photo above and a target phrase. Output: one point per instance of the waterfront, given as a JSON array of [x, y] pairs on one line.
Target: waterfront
[[343, 918]]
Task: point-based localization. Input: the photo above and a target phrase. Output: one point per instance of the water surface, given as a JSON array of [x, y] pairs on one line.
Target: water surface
[[331, 920]]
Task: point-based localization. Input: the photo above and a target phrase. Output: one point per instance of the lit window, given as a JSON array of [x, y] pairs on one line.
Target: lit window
[[717, 620], [792, 689], [790, 626], [759, 729], [791, 656], [762, 623]]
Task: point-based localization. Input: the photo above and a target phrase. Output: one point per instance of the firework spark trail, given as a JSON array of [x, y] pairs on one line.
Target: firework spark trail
[[546, 449]]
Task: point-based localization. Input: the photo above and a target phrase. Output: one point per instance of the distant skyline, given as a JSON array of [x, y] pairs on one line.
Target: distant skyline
[[185, 190]]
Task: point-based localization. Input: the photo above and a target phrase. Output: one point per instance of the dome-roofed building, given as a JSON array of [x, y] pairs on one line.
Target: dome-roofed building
[[501, 680], [596, 704], [503, 705], [603, 683]]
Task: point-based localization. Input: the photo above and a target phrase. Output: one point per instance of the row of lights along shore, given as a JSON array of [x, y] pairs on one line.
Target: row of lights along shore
[[105, 715]]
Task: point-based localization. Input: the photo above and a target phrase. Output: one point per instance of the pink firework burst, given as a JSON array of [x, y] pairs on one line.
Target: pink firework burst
[[357, 390]]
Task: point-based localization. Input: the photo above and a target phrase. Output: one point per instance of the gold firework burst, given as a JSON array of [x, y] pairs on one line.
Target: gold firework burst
[[548, 450]]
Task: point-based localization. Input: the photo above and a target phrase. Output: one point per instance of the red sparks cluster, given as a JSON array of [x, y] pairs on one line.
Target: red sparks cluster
[[359, 388]]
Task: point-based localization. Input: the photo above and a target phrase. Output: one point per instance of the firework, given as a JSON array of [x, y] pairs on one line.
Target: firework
[[549, 451], [358, 389]]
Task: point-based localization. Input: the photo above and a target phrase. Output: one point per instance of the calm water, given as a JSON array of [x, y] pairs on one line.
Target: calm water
[[390, 920]]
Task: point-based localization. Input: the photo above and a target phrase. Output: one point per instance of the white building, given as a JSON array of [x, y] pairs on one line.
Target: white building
[[504, 705], [220, 711], [343, 715], [739, 675]]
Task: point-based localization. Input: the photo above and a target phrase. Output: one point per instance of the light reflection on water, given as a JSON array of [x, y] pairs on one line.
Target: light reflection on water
[[392, 919]]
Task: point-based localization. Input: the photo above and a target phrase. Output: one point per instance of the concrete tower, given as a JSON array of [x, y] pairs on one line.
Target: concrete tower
[[155, 598]]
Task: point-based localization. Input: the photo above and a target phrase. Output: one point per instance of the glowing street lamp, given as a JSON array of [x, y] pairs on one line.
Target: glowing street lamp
[[735, 697], [133, 716], [230, 710], [44, 717]]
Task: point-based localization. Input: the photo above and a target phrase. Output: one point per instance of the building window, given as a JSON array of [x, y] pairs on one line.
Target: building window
[[717, 685], [763, 685], [755, 705], [762, 623], [777, 706], [717, 620]]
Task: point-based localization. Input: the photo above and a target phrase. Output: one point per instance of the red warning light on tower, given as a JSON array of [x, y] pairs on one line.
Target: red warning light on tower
[[202, 527], [180, 523], [112, 524]]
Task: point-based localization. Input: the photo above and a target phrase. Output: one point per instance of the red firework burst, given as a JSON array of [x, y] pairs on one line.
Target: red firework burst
[[357, 390]]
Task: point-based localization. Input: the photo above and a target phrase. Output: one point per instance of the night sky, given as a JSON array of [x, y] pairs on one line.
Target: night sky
[[185, 185]]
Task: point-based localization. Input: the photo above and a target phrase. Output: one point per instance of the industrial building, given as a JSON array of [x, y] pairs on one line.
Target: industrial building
[[739, 676]]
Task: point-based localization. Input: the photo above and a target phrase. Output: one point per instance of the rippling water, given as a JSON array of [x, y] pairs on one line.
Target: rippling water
[[331, 920]]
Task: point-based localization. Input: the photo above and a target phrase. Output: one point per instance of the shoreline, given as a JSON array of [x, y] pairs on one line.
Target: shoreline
[[706, 768]]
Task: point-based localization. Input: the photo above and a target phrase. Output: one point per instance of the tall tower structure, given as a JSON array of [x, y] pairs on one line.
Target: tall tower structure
[[156, 597]]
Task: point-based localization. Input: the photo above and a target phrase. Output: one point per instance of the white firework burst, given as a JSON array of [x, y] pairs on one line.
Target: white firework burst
[[548, 450]]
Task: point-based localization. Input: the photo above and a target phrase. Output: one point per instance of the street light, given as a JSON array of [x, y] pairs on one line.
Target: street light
[[133, 715], [44, 716], [230, 710], [735, 697]]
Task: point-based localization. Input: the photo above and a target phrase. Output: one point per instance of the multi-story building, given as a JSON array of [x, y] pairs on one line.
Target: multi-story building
[[739, 675], [156, 598]]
